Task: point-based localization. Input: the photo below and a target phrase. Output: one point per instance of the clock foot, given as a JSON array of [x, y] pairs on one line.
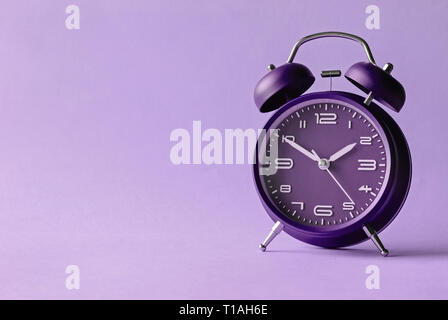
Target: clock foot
[[371, 233], [276, 229]]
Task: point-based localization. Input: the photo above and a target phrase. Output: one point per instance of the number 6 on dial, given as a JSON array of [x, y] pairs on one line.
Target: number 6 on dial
[[323, 210]]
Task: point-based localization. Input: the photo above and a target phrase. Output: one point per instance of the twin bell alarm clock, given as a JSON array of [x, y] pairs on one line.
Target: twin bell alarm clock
[[333, 168]]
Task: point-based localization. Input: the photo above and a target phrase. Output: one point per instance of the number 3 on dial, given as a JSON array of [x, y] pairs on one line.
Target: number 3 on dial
[[366, 165]]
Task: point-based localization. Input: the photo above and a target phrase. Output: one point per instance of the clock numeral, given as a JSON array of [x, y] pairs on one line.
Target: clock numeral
[[302, 124], [365, 141], [326, 118], [323, 210], [284, 163], [285, 188], [365, 188], [348, 206], [367, 165], [300, 204], [290, 138]]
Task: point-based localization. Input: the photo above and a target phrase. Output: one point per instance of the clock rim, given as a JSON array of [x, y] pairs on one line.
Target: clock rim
[[392, 197], [278, 118]]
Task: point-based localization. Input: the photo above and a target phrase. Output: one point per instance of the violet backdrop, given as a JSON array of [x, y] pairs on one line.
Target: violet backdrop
[[86, 178]]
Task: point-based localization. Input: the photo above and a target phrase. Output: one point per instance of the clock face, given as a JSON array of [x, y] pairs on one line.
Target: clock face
[[331, 167]]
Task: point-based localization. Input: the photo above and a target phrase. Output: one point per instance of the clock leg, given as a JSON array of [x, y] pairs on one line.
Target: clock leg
[[276, 229], [371, 233]]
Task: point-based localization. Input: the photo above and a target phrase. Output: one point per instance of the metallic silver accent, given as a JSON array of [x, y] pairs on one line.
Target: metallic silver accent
[[330, 73], [276, 229], [331, 34], [368, 99], [323, 164], [371, 233], [388, 67]]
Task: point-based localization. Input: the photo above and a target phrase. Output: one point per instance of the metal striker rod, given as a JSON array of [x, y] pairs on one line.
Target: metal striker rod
[[330, 74]]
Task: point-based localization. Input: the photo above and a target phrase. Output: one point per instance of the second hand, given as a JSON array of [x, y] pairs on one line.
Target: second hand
[[334, 178]]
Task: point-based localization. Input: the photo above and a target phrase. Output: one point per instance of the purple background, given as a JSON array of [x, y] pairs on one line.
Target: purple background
[[85, 174]]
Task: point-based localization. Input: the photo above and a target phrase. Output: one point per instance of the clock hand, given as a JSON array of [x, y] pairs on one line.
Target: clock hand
[[342, 152], [337, 182], [334, 178], [301, 149]]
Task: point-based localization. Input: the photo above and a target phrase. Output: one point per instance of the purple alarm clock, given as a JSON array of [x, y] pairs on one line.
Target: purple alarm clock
[[333, 168]]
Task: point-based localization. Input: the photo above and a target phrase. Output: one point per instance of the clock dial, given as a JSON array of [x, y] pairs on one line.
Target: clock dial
[[332, 164]]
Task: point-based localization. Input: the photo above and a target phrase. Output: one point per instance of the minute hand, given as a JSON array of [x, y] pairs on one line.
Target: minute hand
[[342, 152], [301, 149]]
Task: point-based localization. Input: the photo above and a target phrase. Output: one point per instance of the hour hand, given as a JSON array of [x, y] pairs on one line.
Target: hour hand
[[342, 152], [301, 149]]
